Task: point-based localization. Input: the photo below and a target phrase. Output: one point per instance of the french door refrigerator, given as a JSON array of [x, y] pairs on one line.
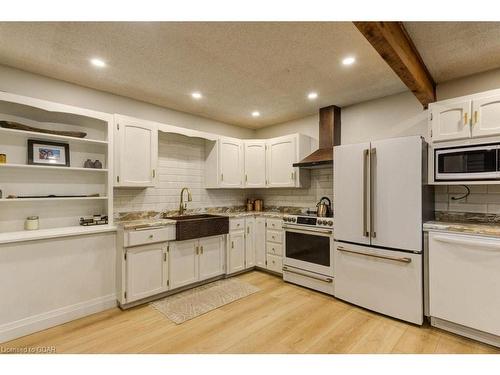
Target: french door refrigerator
[[380, 201]]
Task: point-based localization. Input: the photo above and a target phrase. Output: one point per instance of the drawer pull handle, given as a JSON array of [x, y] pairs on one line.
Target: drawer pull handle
[[232, 244], [396, 259], [326, 279]]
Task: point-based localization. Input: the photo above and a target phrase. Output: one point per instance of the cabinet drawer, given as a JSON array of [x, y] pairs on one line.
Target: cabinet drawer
[[274, 236], [275, 263], [274, 248], [386, 281], [276, 224], [146, 236], [237, 224]]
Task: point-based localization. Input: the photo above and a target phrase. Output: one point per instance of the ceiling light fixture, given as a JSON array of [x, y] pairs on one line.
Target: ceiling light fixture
[[196, 95], [255, 114], [312, 95], [349, 60], [98, 62]]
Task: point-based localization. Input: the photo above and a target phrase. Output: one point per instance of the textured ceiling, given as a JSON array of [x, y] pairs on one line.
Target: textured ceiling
[[456, 49], [239, 67]]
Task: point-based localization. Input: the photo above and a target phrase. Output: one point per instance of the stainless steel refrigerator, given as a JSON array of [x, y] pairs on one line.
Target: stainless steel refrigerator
[[380, 202]]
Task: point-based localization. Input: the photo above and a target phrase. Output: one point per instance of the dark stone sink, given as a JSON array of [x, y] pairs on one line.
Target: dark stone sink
[[188, 227]]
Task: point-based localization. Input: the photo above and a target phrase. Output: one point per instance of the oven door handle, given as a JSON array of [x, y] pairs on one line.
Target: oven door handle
[[325, 279], [305, 231]]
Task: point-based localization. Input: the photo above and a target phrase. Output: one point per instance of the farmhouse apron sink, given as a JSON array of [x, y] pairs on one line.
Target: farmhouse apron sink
[[188, 227]]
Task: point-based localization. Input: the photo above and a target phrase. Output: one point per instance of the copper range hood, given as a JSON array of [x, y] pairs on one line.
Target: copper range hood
[[329, 136]]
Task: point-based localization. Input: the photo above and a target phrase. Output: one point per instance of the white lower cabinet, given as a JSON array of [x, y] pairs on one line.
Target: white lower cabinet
[[249, 242], [274, 245], [211, 257], [260, 242], [195, 260], [236, 251], [464, 284], [183, 263], [146, 271]]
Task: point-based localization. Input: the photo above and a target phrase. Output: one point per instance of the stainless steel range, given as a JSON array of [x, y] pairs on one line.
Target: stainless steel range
[[309, 252]]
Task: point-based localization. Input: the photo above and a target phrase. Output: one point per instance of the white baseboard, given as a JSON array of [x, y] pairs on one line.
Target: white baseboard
[[471, 333], [25, 326]]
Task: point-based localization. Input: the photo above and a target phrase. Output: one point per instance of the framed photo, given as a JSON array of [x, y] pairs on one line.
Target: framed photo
[[48, 153]]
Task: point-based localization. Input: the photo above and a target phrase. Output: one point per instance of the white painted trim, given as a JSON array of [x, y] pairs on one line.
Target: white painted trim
[[26, 326], [41, 234]]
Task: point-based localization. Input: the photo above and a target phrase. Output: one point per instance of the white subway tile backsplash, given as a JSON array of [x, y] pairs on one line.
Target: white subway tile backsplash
[[181, 163], [482, 199]]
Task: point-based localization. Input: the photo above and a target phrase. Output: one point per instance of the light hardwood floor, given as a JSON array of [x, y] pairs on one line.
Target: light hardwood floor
[[281, 318]]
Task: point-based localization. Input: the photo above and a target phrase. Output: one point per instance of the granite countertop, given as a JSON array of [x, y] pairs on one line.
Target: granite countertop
[[148, 219], [482, 229], [145, 223], [466, 223]]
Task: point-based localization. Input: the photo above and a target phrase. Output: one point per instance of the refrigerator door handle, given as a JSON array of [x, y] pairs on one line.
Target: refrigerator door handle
[[366, 233], [395, 259], [373, 155]]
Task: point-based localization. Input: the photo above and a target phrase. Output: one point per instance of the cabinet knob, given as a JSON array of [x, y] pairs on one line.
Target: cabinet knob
[[150, 236]]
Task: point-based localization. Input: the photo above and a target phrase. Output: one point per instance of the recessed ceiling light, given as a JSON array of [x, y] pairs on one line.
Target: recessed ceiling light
[[312, 95], [349, 60], [98, 62], [255, 114], [196, 95]]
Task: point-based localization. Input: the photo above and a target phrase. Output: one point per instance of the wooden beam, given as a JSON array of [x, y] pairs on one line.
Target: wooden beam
[[393, 43]]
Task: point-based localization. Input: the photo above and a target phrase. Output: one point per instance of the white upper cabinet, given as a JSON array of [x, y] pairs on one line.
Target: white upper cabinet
[[471, 116], [450, 120], [486, 116], [281, 154], [224, 163], [255, 163], [232, 163], [136, 152]]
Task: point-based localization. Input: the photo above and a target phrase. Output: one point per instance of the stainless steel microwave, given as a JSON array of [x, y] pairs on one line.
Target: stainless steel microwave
[[478, 162]]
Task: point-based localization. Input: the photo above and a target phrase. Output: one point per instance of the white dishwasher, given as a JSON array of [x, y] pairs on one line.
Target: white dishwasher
[[464, 285]]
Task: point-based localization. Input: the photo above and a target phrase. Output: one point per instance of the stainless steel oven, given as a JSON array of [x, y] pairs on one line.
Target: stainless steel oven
[[479, 162]]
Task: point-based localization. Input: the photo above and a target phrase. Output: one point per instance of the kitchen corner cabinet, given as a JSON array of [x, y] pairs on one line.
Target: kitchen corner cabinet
[[136, 152], [195, 260], [472, 116], [224, 163], [255, 164], [232, 163], [147, 271]]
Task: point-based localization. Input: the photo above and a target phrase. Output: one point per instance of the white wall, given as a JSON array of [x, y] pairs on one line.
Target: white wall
[[34, 85]]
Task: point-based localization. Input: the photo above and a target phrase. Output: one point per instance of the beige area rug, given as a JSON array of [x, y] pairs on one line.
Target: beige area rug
[[198, 301]]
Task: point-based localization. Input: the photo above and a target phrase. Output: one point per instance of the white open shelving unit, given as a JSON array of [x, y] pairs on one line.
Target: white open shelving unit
[[59, 216]]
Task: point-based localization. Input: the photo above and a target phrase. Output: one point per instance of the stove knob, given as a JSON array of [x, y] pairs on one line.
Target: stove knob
[[294, 219], [320, 222], [330, 223]]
